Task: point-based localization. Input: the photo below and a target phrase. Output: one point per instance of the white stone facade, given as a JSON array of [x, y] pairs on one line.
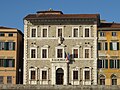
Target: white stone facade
[[55, 68]]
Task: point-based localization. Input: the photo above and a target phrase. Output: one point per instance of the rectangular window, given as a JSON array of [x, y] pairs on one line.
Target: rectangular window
[[1, 62], [86, 53], [32, 75], [114, 81], [75, 53], [102, 34], [33, 34], [2, 34], [59, 53], [114, 63], [87, 32], [75, 32], [75, 75], [10, 63], [102, 63], [44, 75], [44, 53], [104, 46], [2, 45], [10, 34], [1, 80], [60, 32], [114, 34], [33, 53], [44, 32], [11, 45], [114, 45], [9, 79], [87, 75]]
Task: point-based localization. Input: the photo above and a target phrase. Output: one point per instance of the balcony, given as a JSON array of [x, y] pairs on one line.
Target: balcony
[[60, 60]]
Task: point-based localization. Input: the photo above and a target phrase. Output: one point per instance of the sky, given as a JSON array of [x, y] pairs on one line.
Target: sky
[[12, 12]]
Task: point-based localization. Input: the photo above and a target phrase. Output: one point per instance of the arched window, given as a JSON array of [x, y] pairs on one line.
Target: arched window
[[102, 79], [113, 79]]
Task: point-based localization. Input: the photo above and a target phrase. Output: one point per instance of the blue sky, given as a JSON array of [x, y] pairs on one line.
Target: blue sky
[[12, 12]]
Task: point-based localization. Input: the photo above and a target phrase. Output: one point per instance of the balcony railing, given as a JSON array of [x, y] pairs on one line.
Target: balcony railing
[[58, 60]]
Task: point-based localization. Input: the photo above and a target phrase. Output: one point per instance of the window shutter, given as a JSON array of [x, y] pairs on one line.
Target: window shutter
[[0, 46], [106, 63], [5, 45], [99, 46], [117, 45], [13, 63], [106, 46], [13, 45], [5, 63], [111, 46]]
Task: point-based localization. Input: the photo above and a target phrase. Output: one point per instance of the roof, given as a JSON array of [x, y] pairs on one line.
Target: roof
[[2, 27], [58, 15], [109, 25]]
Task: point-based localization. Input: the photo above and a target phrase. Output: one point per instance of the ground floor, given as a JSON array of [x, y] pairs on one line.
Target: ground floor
[[61, 73], [109, 77]]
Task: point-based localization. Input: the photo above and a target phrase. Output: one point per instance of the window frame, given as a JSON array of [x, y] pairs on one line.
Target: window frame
[[33, 69], [9, 79], [42, 28], [59, 27], [31, 52], [42, 52], [44, 69], [84, 32], [73, 52], [63, 56], [74, 33], [31, 28]]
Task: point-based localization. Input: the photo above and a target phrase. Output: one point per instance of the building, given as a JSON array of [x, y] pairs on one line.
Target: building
[[60, 49], [11, 55], [109, 54]]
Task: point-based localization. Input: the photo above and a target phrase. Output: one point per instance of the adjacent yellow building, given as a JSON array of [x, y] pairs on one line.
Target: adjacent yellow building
[[109, 54], [11, 55]]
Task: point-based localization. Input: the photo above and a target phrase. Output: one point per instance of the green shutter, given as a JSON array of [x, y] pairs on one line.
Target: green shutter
[[5, 46], [106, 63], [99, 46], [111, 46], [13, 45], [106, 46], [117, 45], [13, 63], [5, 63]]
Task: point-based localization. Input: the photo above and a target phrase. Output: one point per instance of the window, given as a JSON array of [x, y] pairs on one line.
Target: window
[[102, 34], [32, 75], [75, 32], [59, 53], [114, 63], [1, 62], [114, 45], [33, 53], [44, 53], [33, 33], [2, 34], [75, 75], [9, 79], [44, 75], [75, 53], [44, 32], [114, 34], [1, 79], [102, 80], [86, 53], [11, 45], [2, 45], [113, 79], [102, 63], [87, 75], [60, 32], [87, 32], [10, 34], [7, 62]]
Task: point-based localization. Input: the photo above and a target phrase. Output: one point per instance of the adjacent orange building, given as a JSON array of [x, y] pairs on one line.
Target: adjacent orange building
[[109, 54], [11, 55]]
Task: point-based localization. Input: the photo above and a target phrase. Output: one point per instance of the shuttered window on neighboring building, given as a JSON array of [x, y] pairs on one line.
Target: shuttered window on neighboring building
[[9, 79], [7, 45], [1, 80], [7, 62], [114, 63], [102, 63], [114, 45], [99, 46]]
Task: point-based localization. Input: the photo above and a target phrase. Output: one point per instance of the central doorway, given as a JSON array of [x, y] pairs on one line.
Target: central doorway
[[59, 76]]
